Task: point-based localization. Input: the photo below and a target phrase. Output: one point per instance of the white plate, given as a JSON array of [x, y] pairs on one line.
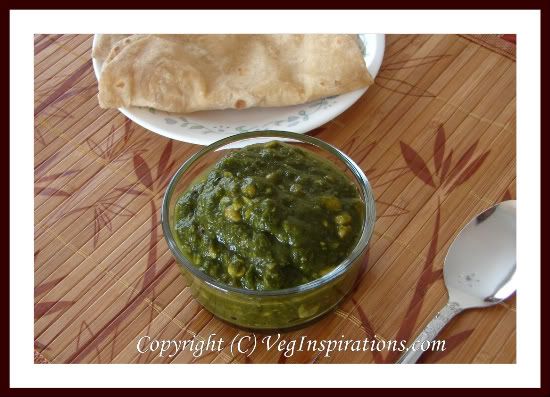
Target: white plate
[[206, 127]]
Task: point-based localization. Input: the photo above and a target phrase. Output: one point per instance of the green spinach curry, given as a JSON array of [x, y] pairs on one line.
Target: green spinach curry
[[269, 216]]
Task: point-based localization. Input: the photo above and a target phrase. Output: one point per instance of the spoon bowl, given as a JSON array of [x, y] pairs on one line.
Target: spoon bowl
[[479, 269], [481, 263]]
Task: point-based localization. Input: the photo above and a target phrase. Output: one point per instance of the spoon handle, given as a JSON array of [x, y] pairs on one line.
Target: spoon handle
[[429, 333]]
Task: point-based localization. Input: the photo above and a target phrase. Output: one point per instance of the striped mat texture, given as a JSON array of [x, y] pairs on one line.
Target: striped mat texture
[[435, 135]]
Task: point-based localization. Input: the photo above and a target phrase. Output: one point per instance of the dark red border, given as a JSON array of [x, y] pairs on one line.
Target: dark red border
[[423, 4], [288, 4]]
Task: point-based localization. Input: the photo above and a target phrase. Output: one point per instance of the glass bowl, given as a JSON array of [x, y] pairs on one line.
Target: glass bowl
[[269, 309]]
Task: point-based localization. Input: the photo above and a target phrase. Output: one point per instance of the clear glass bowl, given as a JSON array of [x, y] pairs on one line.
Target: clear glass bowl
[[273, 309]]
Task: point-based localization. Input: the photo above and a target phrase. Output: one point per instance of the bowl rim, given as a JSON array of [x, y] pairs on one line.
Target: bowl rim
[[337, 272]]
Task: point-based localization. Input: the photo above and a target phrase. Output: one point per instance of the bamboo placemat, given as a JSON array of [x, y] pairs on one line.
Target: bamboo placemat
[[435, 135]]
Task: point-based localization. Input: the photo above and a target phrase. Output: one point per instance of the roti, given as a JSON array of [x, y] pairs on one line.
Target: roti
[[188, 73], [104, 43]]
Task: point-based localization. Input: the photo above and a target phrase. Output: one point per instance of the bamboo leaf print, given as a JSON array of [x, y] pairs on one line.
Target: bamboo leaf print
[[164, 178], [58, 175], [450, 344], [439, 148], [142, 171], [387, 177], [414, 62], [463, 161], [402, 87], [49, 191], [445, 167], [470, 170], [42, 308], [164, 157], [507, 195], [398, 46], [389, 209], [129, 190], [40, 289], [416, 164]]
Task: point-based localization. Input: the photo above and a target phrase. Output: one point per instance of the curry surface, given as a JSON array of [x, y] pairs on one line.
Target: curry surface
[[269, 216]]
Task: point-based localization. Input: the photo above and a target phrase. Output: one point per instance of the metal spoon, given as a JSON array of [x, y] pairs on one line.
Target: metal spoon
[[479, 269]]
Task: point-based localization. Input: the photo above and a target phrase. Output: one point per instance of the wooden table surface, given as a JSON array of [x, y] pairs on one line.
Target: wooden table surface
[[435, 135]]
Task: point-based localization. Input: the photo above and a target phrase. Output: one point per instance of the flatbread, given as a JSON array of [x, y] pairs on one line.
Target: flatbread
[[104, 43], [188, 73]]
